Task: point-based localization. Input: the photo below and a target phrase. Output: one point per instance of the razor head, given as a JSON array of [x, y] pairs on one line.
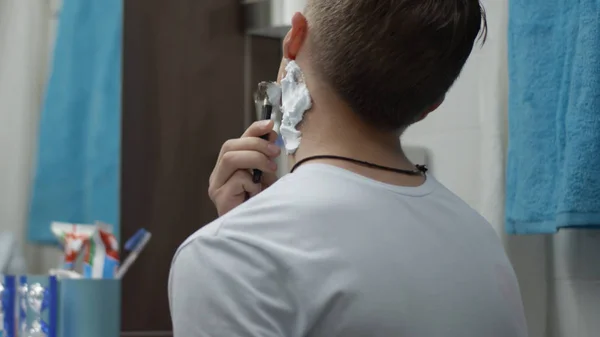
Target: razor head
[[261, 96]]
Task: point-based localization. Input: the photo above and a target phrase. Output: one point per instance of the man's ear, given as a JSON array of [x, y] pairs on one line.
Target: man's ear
[[294, 40], [432, 108]]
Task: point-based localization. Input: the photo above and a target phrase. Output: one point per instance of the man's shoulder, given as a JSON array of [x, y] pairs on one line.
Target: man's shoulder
[[279, 216], [288, 201]]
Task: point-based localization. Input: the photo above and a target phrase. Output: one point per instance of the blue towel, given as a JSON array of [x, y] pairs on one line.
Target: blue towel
[[553, 173], [78, 162]]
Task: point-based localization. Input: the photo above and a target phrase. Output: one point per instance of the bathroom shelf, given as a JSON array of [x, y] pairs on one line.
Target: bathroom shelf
[[258, 18]]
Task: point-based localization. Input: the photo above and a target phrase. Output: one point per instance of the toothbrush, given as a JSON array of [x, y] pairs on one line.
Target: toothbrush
[[135, 245]]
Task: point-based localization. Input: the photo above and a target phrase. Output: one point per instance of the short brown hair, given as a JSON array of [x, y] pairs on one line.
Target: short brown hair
[[390, 60]]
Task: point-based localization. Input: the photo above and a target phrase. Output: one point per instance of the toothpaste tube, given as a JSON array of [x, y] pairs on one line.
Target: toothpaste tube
[[101, 260], [73, 238], [38, 307], [7, 306]]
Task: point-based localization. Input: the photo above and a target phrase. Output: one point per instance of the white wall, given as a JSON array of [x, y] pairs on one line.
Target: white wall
[[559, 275], [575, 284], [284, 10]]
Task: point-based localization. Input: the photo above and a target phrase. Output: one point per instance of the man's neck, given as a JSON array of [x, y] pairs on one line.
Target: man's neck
[[332, 129]]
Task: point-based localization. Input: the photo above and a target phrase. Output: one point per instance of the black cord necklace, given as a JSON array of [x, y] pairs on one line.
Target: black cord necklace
[[420, 169]]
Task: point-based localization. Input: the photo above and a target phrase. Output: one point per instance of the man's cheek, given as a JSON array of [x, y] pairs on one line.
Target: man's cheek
[[281, 72]]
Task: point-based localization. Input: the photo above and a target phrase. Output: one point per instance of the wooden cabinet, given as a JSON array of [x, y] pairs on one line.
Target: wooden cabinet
[[183, 96], [188, 75]]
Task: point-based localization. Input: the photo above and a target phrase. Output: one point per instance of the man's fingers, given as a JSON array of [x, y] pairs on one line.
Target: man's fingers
[[233, 193], [231, 162], [239, 184], [231, 180], [272, 136], [251, 144], [259, 128], [268, 179]]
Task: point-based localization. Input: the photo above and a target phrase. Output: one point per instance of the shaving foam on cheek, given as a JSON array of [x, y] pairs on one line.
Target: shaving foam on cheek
[[295, 101]]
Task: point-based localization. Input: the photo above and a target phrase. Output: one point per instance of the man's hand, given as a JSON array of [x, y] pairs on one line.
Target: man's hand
[[230, 182]]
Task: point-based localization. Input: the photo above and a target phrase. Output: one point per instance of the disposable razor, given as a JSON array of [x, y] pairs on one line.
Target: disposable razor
[[265, 109]]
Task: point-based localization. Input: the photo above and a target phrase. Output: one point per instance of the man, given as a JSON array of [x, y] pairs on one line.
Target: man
[[360, 242]]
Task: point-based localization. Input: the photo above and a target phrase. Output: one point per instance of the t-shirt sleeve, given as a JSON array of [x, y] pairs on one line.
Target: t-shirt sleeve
[[226, 287]]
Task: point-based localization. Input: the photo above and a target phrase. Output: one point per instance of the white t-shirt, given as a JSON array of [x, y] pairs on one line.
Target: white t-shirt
[[325, 252]]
